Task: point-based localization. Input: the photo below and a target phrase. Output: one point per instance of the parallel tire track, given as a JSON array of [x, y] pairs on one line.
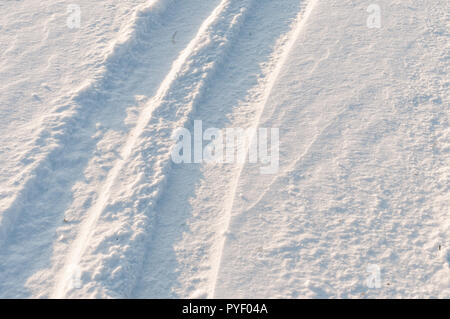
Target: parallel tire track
[[185, 251], [48, 207], [134, 184], [70, 116]]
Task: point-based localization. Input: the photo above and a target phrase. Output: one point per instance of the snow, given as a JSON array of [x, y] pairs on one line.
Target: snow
[[93, 206]]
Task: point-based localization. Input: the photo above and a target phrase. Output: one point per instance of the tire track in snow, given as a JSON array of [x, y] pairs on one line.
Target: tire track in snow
[[316, 207], [135, 65], [134, 184], [298, 27], [189, 221], [60, 126]]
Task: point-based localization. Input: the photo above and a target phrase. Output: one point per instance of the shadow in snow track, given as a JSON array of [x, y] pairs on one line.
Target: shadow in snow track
[[181, 252], [136, 67]]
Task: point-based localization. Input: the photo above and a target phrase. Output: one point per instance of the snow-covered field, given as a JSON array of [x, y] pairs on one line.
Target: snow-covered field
[[350, 99]]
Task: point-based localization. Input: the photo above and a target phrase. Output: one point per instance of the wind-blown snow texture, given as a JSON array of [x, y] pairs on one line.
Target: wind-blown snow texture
[[92, 205]]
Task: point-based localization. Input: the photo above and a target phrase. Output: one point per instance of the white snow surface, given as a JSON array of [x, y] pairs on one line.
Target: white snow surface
[[93, 206]]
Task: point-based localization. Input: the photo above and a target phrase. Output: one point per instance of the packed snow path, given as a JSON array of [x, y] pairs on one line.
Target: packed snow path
[[100, 209]]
